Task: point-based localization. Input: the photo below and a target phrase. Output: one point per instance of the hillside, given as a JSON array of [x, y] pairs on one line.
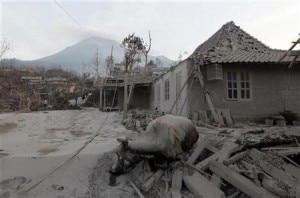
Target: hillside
[[79, 56]]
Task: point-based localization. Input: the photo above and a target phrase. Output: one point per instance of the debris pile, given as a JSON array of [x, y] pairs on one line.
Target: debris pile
[[225, 163], [139, 119]]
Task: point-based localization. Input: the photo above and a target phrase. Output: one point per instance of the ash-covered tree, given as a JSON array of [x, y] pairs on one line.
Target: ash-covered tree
[[146, 50], [133, 46], [96, 63], [5, 46], [110, 62]]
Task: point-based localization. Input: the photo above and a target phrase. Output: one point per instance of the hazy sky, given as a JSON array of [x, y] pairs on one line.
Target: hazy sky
[[41, 28]]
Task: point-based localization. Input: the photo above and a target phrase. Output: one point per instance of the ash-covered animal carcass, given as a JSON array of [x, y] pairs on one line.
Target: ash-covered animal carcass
[[166, 139]]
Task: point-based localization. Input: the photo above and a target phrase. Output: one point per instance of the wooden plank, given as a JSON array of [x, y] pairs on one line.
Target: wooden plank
[[290, 49], [207, 96], [203, 115], [227, 149], [138, 192], [256, 154], [211, 107], [200, 147], [200, 186], [212, 148], [130, 93], [152, 180], [236, 157], [182, 88], [291, 151], [226, 114], [292, 62], [277, 173], [292, 170], [220, 117], [239, 181], [298, 190], [176, 184], [270, 169], [204, 163]]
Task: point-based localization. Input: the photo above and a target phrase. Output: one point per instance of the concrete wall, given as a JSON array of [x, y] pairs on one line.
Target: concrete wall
[[166, 105], [274, 88]]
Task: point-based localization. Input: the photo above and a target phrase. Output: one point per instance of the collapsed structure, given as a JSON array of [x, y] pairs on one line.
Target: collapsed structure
[[238, 73], [231, 75]]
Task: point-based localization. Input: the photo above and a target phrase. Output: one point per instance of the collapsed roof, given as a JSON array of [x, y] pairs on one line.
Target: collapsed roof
[[231, 44]]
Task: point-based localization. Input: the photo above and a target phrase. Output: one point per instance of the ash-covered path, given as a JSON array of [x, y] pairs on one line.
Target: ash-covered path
[[33, 144]]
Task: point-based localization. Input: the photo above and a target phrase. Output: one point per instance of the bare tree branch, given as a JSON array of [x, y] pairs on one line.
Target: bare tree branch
[[5, 46], [146, 51]]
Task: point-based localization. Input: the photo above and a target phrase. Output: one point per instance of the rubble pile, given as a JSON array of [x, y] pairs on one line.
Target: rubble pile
[[139, 119], [238, 163]]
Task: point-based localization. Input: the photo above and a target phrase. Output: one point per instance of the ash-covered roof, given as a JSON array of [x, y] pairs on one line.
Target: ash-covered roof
[[231, 44], [139, 79]]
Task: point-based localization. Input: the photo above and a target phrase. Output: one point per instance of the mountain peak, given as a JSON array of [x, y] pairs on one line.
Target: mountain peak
[[79, 57]]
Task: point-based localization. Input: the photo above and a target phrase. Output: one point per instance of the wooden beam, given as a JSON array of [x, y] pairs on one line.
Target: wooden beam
[[292, 62], [152, 180], [200, 147], [130, 94], [186, 97], [138, 192], [212, 148], [292, 170], [100, 105], [211, 107], [220, 117], [289, 151], [227, 149], [240, 182], [182, 88], [236, 157], [226, 114], [176, 183], [104, 105], [256, 154], [204, 163], [292, 47], [200, 186], [277, 173], [270, 169]]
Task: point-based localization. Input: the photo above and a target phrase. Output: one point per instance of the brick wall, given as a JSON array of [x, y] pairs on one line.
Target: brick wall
[[274, 88]]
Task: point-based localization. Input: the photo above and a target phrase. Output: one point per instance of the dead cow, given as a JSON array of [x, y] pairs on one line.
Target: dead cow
[[168, 136]]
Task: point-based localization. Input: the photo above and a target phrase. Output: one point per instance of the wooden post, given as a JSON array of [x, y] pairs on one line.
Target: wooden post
[[125, 90], [100, 105], [130, 94], [104, 99], [176, 183]]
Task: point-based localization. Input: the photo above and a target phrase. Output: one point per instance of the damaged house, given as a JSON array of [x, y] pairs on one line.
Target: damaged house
[[112, 90], [232, 72]]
